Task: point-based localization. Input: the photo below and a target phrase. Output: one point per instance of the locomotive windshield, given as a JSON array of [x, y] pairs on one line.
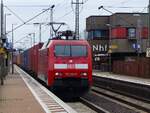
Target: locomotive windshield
[[70, 51]]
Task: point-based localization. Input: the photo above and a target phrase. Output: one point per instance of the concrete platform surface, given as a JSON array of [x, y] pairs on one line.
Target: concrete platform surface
[[144, 81], [15, 97]]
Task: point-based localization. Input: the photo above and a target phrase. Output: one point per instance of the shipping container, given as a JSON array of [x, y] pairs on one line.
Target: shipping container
[[116, 67], [131, 33], [35, 57], [128, 19], [98, 34], [32, 58], [144, 33], [26, 59], [144, 67], [119, 33], [97, 22], [18, 59], [140, 67]]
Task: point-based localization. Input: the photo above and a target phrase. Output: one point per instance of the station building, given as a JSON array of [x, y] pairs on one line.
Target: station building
[[121, 35]]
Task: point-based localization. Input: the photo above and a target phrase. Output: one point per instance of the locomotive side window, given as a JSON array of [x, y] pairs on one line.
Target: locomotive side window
[[70, 51], [62, 50], [78, 51]]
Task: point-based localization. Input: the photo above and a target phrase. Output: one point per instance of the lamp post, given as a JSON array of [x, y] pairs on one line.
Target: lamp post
[[138, 34], [51, 20], [33, 36], [6, 14], [109, 51], [26, 43], [40, 28]]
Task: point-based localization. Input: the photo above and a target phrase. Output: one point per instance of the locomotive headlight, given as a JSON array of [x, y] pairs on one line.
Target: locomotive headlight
[[58, 74], [84, 74]]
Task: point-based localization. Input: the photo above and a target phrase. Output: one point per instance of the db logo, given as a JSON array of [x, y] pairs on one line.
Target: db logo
[[71, 66]]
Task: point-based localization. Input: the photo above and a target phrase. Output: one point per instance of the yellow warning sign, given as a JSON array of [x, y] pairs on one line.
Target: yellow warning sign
[[109, 51], [2, 51], [113, 46]]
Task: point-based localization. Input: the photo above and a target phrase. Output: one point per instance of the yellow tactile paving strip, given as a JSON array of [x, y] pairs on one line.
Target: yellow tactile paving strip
[[15, 97]]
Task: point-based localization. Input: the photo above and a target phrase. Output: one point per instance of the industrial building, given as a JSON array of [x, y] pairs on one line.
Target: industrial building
[[117, 37]]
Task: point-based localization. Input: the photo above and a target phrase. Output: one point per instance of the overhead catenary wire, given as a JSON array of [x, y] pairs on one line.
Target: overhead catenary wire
[[143, 9], [124, 7], [27, 35], [20, 39], [27, 6], [30, 19], [15, 14], [66, 14], [102, 7]]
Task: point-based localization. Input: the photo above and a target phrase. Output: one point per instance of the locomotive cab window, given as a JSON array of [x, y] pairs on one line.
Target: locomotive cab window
[[62, 50], [70, 51], [78, 51]]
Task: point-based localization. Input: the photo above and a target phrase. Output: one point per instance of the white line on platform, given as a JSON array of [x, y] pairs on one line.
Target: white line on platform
[[59, 102], [33, 92]]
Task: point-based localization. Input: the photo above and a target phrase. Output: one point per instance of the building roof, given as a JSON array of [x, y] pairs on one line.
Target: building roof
[[118, 13]]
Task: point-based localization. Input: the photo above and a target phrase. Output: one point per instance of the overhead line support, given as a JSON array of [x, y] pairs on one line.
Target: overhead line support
[[77, 18]]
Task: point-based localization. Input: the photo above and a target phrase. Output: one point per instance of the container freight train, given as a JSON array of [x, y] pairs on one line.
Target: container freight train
[[63, 65]]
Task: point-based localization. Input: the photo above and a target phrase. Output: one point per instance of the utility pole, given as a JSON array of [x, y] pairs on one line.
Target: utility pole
[[7, 14], [12, 49], [139, 28], [149, 24], [2, 60], [51, 20], [40, 29], [33, 39], [110, 47], [138, 34], [2, 35], [77, 18]]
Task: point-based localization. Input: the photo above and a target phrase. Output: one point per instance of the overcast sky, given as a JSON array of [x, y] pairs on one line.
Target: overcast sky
[[63, 12]]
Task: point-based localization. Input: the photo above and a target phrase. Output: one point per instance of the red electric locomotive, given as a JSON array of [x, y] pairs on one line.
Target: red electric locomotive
[[63, 65], [66, 65]]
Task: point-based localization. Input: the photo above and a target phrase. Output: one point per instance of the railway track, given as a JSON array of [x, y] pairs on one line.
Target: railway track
[[133, 90], [105, 103], [81, 107], [106, 98]]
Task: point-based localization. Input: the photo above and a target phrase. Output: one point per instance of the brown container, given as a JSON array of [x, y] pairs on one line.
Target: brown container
[[134, 68], [138, 67], [128, 19], [97, 22], [122, 67], [144, 67], [118, 67]]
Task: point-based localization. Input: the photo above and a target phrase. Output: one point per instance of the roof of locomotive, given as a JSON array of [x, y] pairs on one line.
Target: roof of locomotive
[[68, 42], [55, 42]]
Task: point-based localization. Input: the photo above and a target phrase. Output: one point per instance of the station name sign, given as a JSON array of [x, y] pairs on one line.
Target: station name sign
[[99, 46], [99, 49]]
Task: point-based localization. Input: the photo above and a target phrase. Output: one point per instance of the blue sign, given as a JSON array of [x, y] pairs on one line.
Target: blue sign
[[136, 46]]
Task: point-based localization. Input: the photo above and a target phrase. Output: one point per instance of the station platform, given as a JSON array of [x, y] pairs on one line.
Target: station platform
[[22, 94], [143, 81]]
